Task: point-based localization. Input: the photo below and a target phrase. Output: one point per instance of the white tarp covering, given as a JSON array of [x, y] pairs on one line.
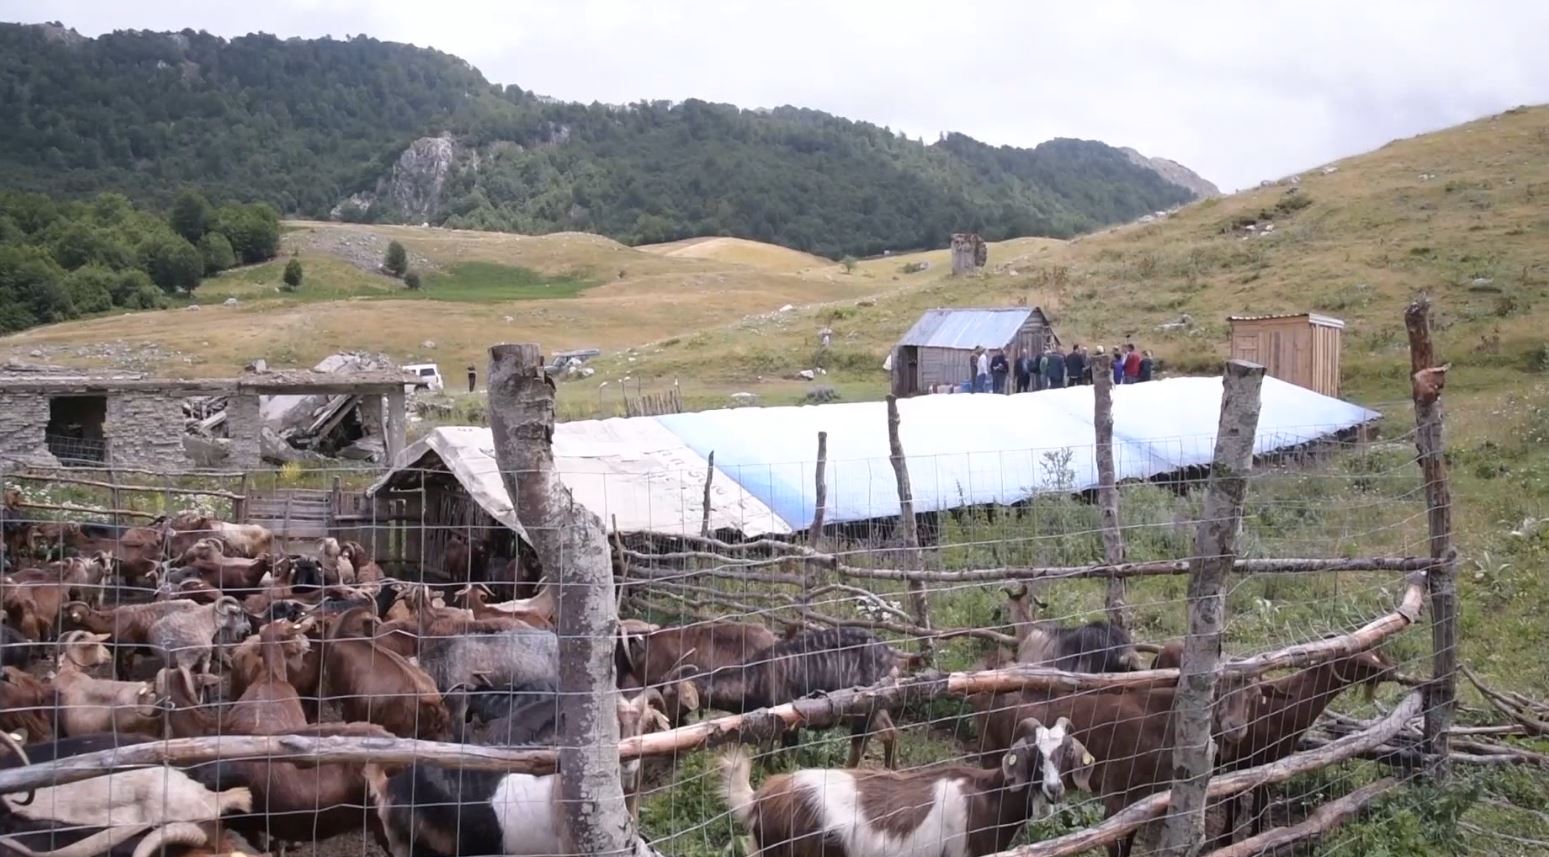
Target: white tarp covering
[[631, 471], [962, 450]]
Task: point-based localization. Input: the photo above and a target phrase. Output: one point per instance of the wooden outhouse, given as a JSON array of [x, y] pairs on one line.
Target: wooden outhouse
[[937, 348], [1302, 349]]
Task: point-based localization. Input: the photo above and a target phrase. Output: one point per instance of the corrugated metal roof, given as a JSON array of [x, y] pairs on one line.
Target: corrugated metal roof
[[967, 328], [1324, 320]]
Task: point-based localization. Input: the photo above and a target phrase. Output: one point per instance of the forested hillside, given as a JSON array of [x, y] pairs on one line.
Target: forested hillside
[[307, 124]]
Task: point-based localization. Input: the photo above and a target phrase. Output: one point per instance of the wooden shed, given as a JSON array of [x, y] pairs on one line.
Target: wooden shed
[[936, 349], [1302, 349]]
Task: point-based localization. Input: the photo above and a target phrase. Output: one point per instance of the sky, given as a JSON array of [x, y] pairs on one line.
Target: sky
[[1238, 92]]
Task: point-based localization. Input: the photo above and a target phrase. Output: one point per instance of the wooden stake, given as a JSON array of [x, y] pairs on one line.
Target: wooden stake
[[573, 550], [820, 487], [1116, 602], [704, 523], [1428, 380], [1214, 551], [909, 528]]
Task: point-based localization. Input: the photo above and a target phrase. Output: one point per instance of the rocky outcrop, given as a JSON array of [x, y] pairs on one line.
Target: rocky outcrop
[[1175, 173], [411, 192]]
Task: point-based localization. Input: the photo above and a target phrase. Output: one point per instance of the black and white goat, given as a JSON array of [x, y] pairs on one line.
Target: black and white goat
[[435, 811], [1096, 647], [950, 811]]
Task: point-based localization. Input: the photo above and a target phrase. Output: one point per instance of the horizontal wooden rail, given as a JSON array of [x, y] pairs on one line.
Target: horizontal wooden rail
[[142, 489]]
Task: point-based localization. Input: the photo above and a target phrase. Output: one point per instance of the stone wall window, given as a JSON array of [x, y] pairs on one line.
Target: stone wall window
[[74, 433]]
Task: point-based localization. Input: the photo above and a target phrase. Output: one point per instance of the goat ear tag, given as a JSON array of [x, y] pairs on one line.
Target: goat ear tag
[[1086, 759]]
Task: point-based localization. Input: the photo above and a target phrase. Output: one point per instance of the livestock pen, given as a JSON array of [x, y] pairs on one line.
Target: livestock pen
[[1320, 560]]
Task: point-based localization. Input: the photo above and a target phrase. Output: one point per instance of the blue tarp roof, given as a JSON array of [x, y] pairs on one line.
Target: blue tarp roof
[[967, 328]]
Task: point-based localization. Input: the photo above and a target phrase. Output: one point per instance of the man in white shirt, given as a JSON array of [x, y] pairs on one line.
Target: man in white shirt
[[982, 372]]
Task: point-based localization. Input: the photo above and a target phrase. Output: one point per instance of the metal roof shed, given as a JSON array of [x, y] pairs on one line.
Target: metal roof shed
[[936, 349]]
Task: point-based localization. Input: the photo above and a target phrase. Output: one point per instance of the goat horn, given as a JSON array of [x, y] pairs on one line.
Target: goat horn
[[21, 753]]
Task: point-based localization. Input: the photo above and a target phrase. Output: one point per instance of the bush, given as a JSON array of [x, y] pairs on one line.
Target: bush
[[820, 396], [396, 262], [134, 290], [412, 279], [190, 215], [172, 263], [91, 288], [253, 230], [216, 252], [848, 263], [293, 274], [914, 267]]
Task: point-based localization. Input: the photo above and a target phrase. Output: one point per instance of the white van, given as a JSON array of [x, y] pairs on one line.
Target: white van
[[429, 376]]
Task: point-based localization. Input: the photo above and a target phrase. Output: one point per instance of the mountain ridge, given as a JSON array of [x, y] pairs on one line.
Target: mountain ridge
[[319, 126]]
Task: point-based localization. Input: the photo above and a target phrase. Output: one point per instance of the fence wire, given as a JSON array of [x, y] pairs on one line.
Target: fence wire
[[141, 607]]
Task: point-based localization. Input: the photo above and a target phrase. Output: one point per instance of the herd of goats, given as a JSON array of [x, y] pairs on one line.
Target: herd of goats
[[212, 632]]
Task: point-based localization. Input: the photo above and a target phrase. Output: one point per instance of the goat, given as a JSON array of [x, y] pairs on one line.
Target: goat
[[448, 811], [268, 703], [950, 811], [464, 561], [1096, 647], [649, 659], [207, 560], [32, 601], [128, 626], [537, 611], [246, 540], [27, 704], [90, 704], [380, 686], [806, 663], [1129, 731], [16, 650], [367, 572], [186, 637], [136, 551]]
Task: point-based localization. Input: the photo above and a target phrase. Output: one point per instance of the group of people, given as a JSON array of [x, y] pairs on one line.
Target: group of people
[[993, 371]]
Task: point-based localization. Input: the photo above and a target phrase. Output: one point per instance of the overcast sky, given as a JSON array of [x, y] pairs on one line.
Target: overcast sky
[[1238, 91]]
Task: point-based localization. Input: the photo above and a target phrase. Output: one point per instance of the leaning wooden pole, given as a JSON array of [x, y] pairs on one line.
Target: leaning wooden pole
[[1427, 380], [909, 529], [1117, 601], [704, 521], [1214, 552], [820, 498], [573, 550]]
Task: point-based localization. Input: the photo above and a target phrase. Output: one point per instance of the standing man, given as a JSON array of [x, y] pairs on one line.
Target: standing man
[[1054, 369], [1147, 364], [1075, 366], [1024, 371], [1000, 367], [1118, 364], [473, 378], [1131, 364], [982, 372]]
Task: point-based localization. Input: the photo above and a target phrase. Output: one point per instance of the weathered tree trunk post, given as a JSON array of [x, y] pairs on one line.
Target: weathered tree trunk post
[[909, 529], [820, 489], [704, 523], [1117, 601], [573, 549], [396, 438], [1214, 553], [1441, 579]]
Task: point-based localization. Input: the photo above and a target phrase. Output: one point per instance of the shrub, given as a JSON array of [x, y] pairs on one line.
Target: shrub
[[293, 274], [216, 252], [820, 395], [848, 263], [914, 267], [173, 263], [412, 279], [396, 262]]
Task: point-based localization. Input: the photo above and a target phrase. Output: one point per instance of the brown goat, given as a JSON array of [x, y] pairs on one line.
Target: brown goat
[[367, 572], [27, 704], [1129, 731], [268, 704], [137, 551], [32, 601], [537, 611], [653, 657], [376, 685]]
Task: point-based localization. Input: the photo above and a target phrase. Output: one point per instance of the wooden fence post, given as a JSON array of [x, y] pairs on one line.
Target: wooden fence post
[[909, 529], [1214, 553], [1117, 601], [704, 522], [820, 485], [573, 549], [1427, 381]]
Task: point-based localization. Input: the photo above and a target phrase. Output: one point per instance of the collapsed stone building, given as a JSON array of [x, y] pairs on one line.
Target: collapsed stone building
[[93, 419]]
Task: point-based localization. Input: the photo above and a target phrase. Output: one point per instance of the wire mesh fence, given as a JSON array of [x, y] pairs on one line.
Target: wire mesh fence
[[403, 672]]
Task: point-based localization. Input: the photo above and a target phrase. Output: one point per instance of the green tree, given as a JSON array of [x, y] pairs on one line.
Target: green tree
[[293, 274], [396, 262], [91, 288], [191, 214], [32, 290], [412, 279], [848, 263], [134, 290], [173, 263], [253, 230], [216, 252]]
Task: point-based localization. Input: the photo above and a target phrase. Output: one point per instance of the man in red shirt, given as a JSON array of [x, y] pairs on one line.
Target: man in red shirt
[[1131, 364]]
